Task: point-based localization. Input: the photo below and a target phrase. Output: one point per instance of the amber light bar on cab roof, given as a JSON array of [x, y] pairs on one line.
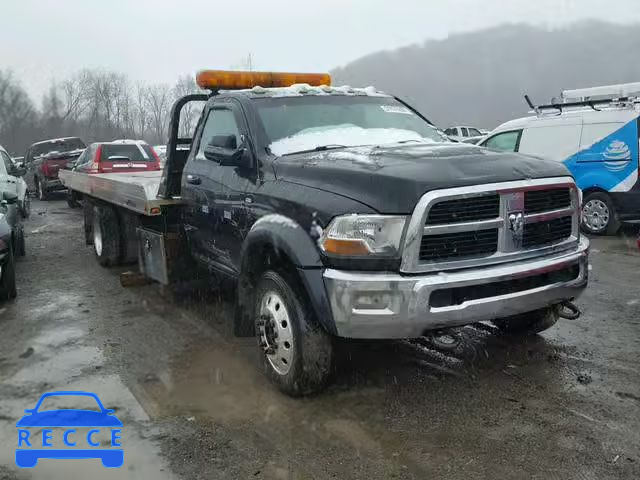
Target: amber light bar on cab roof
[[236, 80]]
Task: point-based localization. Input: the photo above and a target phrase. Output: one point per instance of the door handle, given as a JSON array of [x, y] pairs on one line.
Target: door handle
[[194, 180]]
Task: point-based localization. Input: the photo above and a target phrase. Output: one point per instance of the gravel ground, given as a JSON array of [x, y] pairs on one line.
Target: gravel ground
[[564, 404]]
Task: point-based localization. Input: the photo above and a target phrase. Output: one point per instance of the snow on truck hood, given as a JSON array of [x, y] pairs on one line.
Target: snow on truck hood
[[345, 135]]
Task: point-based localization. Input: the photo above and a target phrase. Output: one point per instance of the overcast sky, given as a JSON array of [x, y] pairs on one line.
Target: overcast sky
[[157, 40]]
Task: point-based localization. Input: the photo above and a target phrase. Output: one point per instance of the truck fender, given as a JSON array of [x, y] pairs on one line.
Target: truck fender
[[283, 235]]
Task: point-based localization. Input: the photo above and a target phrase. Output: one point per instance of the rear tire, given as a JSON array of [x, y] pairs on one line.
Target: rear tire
[[8, 279], [41, 192], [72, 201], [296, 352], [106, 236], [599, 215], [528, 323]]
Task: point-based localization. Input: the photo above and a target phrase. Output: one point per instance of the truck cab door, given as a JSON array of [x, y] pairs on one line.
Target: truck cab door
[[215, 191]]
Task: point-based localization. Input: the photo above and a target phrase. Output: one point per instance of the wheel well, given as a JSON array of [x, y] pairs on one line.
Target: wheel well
[[259, 259], [590, 190]]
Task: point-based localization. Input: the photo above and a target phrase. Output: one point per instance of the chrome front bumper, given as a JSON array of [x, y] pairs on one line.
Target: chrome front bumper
[[384, 305]]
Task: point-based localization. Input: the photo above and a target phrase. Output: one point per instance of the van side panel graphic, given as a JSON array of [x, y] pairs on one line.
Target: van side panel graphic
[[611, 163]]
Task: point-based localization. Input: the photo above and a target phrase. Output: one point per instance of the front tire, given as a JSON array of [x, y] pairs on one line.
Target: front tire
[[599, 215], [8, 279], [296, 352], [528, 323], [106, 236], [25, 206]]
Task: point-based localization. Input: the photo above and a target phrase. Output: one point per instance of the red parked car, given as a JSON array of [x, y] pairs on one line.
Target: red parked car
[[44, 159], [118, 156]]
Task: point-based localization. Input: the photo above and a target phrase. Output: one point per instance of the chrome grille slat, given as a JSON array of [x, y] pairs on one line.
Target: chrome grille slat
[[544, 213]]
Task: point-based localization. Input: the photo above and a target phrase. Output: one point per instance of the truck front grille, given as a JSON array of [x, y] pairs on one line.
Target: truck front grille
[[459, 245], [544, 233], [489, 224], [537, 201], [465, 210]]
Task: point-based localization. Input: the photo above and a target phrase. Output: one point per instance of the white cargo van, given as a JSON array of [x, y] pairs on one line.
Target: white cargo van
[[594, 132]]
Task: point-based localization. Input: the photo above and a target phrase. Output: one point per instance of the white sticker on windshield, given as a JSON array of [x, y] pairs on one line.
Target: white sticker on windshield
[[395, 109]]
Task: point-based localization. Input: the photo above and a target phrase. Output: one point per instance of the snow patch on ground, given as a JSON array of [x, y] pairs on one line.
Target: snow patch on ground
[[346, 135]]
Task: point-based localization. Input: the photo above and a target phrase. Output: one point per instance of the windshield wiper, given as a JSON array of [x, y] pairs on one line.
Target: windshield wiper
[[321, 148]]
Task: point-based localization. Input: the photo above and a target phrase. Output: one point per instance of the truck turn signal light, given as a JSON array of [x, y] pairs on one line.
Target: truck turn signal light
[[233, 80]]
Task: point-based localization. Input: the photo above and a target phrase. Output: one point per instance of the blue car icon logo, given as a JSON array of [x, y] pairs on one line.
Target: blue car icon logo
[[29, 452]]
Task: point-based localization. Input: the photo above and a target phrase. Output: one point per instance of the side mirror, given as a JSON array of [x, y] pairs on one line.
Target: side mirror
[[9, 197], [19, 171], [225, 150]]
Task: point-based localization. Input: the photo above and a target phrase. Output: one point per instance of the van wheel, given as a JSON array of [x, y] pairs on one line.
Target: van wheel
[[296, 352], [528, 323], [599, 215], [8, 278], [106, 236]]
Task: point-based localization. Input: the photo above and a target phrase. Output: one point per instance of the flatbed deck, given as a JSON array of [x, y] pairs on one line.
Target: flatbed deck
[[137, 192]]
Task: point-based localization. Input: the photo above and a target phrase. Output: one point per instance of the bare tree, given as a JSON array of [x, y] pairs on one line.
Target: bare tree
[[18, 117], [191, 112], [158, 102]]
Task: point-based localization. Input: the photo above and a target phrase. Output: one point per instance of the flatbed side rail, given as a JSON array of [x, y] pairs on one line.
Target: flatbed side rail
[[134, 192]]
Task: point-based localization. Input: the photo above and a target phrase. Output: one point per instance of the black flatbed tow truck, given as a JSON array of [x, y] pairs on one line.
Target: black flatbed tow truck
[[341, 212]]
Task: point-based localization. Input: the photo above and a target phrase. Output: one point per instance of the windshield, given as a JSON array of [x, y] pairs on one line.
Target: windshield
[[60, 145], [295, 124]]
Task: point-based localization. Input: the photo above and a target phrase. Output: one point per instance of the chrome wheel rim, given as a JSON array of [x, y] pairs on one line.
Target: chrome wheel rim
[[97, 235], [596, 215], [275, 335]]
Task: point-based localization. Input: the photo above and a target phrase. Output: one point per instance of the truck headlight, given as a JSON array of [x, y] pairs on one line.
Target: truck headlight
[[364, 235]]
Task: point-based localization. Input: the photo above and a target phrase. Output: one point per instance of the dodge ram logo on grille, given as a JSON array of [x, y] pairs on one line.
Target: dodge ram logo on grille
[[516, 226]]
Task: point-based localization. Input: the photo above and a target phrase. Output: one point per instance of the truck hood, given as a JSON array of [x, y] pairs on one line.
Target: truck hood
[[391, 179]]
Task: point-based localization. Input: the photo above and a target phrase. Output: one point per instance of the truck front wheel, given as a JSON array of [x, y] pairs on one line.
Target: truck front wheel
[[106, 236], [528, 323], [296, 353]]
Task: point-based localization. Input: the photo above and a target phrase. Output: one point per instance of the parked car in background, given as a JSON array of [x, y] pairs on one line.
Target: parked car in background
[[118, 156], [18, 161], [7, 260], [11, 180], [44, 159], [465, 134]]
